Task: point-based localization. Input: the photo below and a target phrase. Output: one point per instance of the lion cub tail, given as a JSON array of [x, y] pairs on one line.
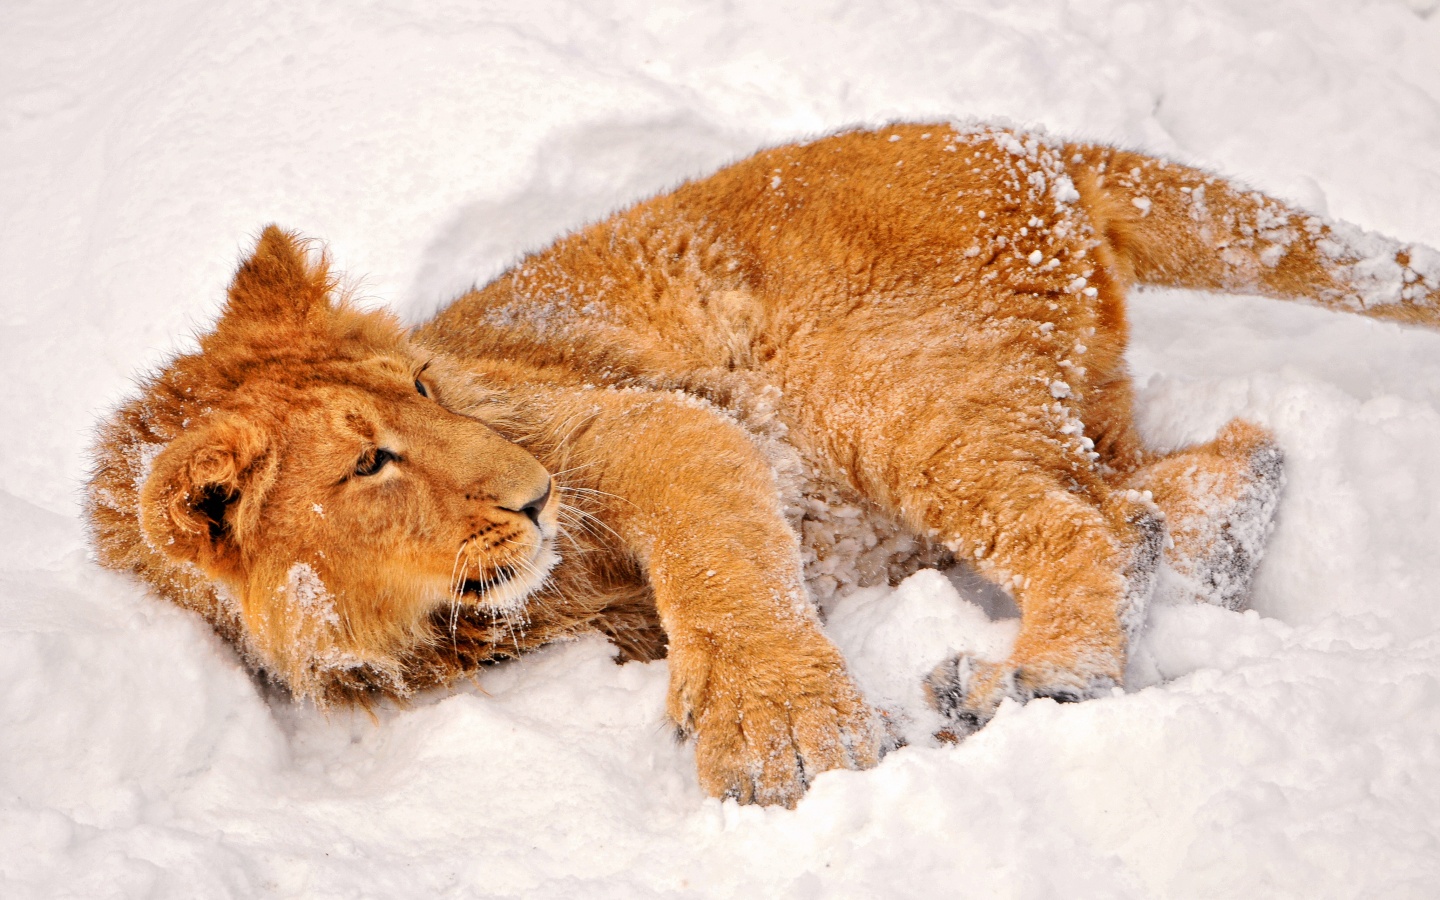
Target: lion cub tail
[[1174, 226]]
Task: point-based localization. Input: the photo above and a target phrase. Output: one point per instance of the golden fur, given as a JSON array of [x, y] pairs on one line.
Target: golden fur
[[915, 333]]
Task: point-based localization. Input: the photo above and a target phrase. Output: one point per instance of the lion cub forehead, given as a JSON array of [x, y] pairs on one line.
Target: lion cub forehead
[[405, 366], [387, 367], [357, 406], [370, 381]]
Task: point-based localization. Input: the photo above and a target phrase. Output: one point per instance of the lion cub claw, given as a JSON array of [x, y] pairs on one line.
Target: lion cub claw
[[765, 728]]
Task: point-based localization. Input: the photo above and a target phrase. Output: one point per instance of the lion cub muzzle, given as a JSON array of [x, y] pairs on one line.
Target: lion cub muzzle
[[510, 515]]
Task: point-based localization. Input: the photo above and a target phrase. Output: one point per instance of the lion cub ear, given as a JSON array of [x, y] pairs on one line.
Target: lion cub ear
[[201, 497], [283, 282]]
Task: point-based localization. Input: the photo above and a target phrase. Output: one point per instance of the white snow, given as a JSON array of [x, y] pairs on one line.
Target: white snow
[[1292, 750]]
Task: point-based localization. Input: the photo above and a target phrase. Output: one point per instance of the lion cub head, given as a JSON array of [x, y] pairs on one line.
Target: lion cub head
[[317, 487]]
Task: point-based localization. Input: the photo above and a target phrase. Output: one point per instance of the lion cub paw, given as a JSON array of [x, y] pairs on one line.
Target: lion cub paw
[[967, 691], [764, 728]]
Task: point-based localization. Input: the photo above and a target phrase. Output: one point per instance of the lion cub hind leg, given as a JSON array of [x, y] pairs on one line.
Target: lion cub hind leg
[[1219, 500], [1080, 572]]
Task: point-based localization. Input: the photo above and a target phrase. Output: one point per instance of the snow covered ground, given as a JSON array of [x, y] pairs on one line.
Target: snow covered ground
[[1292, 750]]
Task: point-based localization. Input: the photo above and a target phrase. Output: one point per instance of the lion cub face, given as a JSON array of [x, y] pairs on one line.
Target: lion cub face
[[400, 497], [323, 476]]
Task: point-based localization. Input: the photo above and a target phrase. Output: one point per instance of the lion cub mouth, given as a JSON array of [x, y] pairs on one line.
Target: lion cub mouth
[[505, 587]]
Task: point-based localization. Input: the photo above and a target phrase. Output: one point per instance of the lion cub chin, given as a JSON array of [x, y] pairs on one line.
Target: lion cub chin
[[818, 368]]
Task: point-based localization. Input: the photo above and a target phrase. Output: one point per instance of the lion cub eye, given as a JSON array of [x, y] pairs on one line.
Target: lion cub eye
[[373, 461], [420, 386]]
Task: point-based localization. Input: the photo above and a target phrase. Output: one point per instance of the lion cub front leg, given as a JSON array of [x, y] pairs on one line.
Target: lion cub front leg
[[764, 692]]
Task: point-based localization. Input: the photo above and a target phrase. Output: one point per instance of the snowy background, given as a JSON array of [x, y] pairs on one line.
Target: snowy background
[[1292, 750]]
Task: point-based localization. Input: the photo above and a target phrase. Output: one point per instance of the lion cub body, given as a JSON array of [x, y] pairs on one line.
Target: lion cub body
[[820, 367]]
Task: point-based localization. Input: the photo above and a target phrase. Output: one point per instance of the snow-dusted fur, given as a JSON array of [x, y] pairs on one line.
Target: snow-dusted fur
[[816, 369]]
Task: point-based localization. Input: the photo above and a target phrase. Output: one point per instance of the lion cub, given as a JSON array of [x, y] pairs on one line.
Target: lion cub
[[820, 367]]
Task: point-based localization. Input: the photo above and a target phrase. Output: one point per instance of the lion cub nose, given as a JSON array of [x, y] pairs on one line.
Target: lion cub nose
[[534, 507]]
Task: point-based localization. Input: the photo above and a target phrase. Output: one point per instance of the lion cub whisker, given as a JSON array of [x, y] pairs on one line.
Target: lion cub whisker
[[587, 521]]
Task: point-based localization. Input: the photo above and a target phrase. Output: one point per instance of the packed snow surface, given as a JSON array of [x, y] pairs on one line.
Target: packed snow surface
[[1290, 750]]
